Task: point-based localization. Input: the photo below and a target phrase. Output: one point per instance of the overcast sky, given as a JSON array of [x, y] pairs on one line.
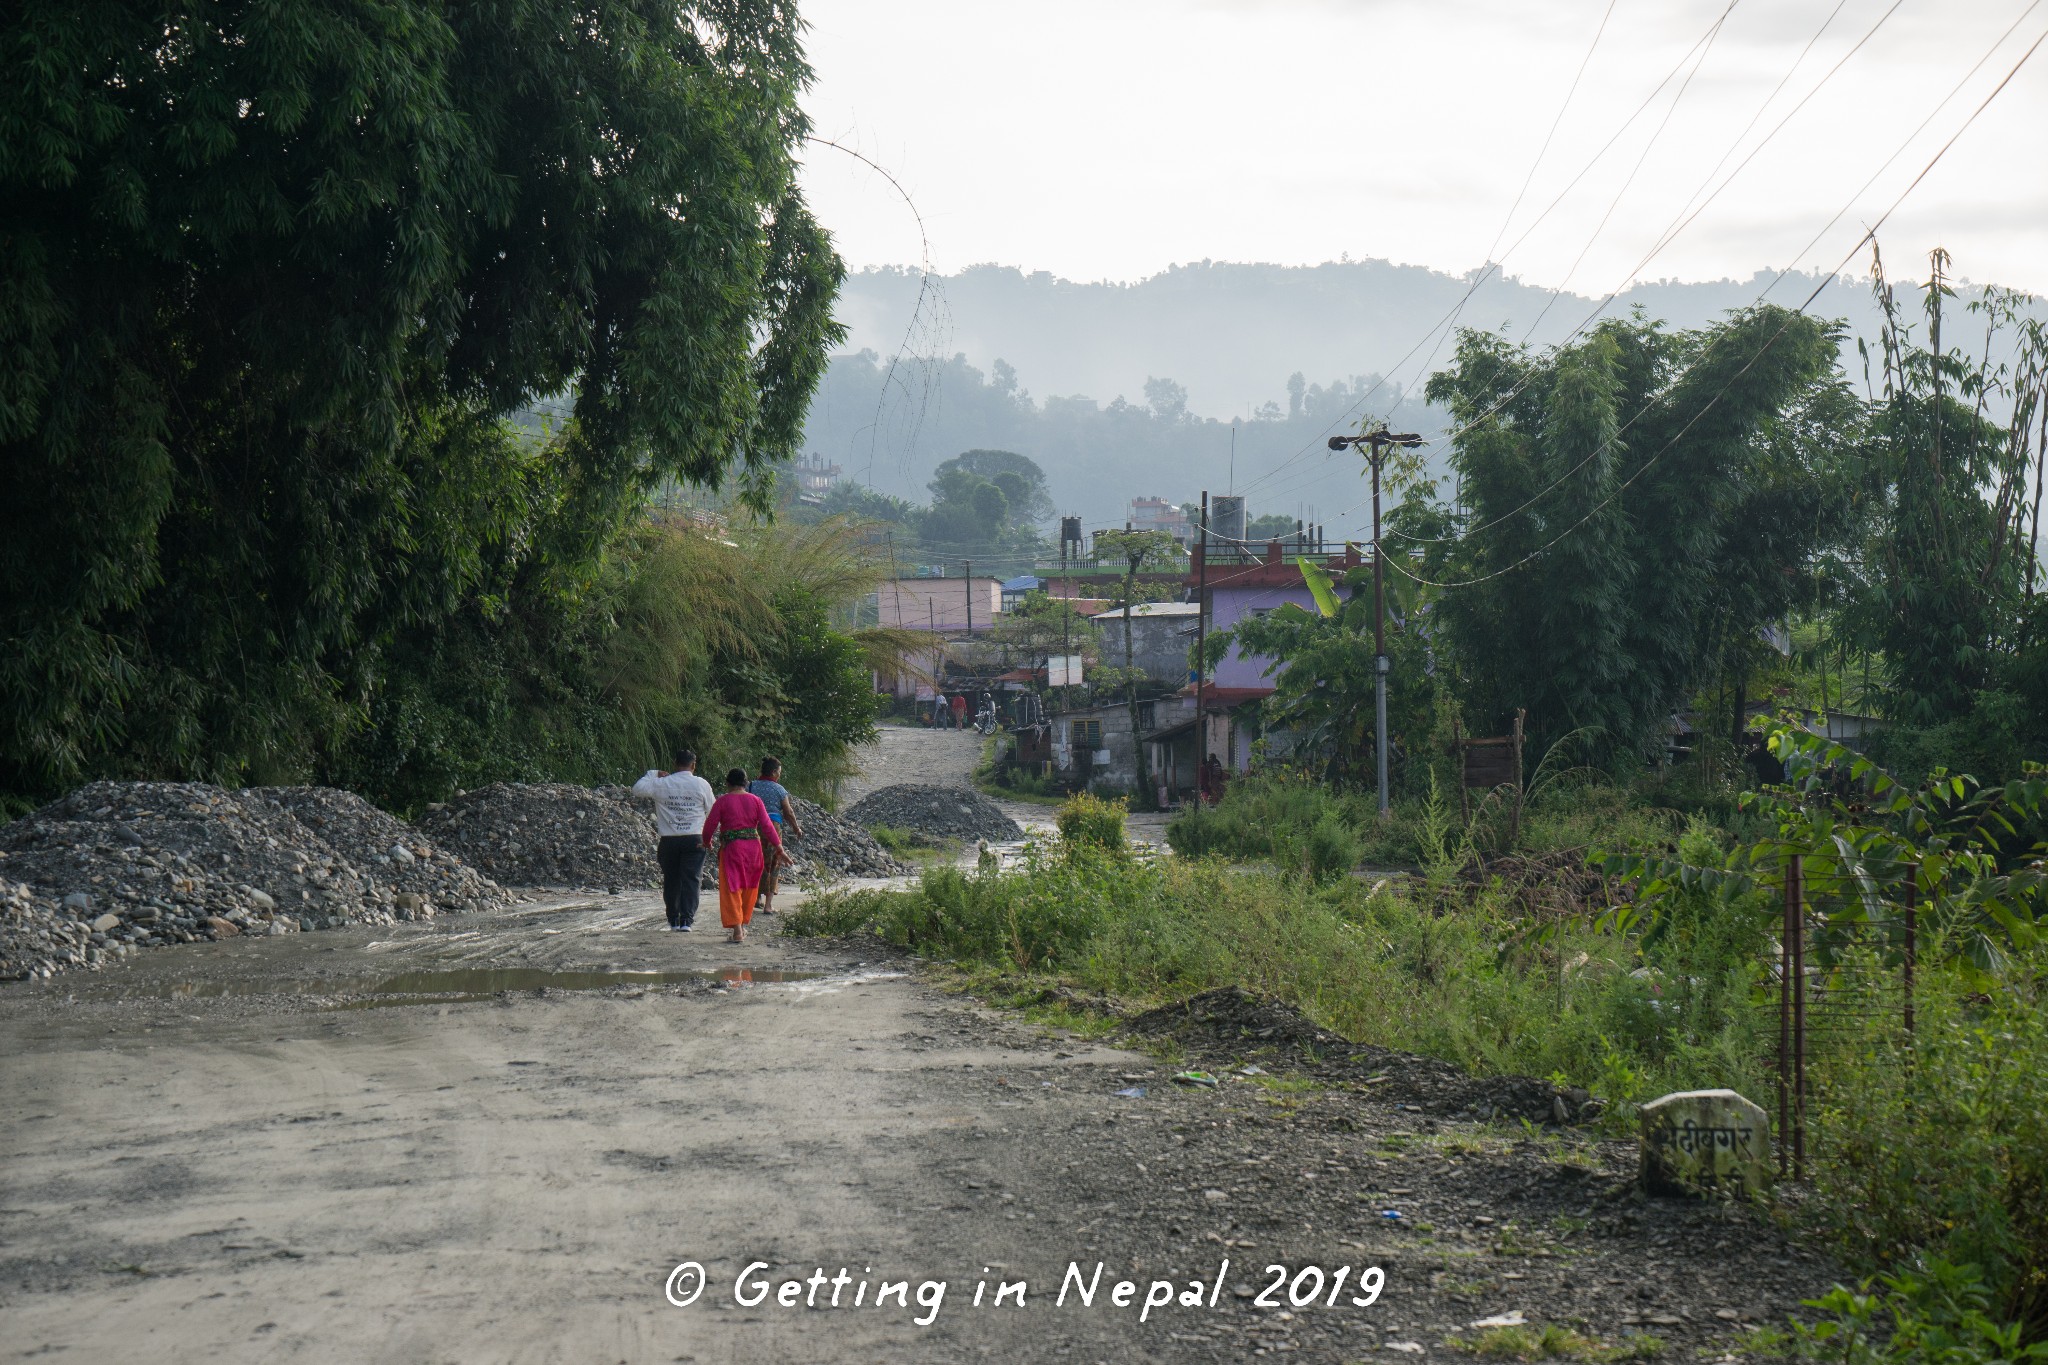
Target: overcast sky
[[1109, 139]]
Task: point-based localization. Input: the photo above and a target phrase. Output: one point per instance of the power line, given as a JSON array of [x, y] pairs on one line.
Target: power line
[[1869, 234], [1490, 267], [1775, 282], [1686, 216]]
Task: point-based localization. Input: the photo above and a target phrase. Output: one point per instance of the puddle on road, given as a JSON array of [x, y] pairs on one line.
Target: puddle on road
[[456, 984]]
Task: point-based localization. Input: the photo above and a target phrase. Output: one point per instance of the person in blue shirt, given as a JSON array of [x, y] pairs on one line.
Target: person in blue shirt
[[768, 786]]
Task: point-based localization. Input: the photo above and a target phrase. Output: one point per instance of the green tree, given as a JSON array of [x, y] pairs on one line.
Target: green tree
[[1612, 493], [1323, 681], [1952, 561], [272, 277], [1019, 476], [1041, 625], [1136, 549], [1272, 526]]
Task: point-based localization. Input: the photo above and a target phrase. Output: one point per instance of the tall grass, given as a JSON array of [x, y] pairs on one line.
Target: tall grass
[[1397, 970]]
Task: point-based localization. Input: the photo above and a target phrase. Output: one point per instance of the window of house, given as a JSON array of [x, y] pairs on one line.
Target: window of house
[[1085, 734]]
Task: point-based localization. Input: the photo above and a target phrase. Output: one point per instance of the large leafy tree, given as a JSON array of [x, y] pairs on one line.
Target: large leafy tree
[[271, 274], [1954, 557], [1634, 508]]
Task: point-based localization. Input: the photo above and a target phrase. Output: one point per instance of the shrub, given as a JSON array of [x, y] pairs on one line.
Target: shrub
[[1088, 820], [1935, 1144]]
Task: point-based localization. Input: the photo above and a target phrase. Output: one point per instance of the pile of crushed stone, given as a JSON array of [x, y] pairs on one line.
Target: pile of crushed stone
[[37, 938], [393, 853], [135, 865], [935, 812], [1233, 1022], [550, 834], [833, 847]]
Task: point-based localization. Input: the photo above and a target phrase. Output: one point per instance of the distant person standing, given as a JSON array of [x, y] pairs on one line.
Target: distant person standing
[[768, 786], [740, 825], [939, 711], [959, 710], [681, 801]]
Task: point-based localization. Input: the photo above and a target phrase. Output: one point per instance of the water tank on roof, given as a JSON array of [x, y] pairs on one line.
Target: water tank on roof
[[1226, 516]]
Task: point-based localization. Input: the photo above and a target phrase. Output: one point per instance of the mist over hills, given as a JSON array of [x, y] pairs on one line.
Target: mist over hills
[[1120, 390]]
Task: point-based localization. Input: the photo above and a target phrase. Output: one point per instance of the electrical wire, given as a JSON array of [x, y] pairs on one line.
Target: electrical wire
[[1491, 267], [1688, 213], [1775, 281], [1870, 234]]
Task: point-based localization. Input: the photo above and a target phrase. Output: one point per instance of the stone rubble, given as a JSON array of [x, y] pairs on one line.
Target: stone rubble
[[936, 813], [37, 937], [834, 847], [147, 864], [392, 853], [550, 834]]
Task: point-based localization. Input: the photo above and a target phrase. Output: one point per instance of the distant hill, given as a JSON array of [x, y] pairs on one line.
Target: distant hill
[[1059, 370]]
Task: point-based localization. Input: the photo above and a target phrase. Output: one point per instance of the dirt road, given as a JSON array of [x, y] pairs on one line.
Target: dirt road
[[475, 1140]]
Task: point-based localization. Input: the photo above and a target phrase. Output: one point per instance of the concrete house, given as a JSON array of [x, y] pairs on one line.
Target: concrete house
[[1237, 583], [1162, 636]]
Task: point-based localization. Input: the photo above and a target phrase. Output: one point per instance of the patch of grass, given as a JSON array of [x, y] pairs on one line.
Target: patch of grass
[[1552, 1342]]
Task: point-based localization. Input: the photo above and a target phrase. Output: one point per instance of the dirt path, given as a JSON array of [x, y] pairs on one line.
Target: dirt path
[[230, 1152]]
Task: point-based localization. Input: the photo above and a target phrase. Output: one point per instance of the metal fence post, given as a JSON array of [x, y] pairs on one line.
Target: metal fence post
[[1785, 1023], [1795, 911]]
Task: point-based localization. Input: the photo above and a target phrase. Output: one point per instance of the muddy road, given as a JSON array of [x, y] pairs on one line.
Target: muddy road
[[493, 1138]]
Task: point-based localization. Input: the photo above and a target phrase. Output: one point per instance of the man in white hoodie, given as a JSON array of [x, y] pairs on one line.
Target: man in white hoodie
[[681, 801]]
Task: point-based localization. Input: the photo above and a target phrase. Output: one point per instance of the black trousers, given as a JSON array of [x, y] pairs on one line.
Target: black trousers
[[682, 866]]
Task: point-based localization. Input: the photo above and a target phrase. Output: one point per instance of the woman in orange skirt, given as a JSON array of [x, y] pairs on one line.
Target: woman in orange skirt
[[739, 825]]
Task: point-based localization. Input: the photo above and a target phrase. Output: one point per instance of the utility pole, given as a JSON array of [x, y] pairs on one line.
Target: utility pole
[[1202, 638], [1374, 445]]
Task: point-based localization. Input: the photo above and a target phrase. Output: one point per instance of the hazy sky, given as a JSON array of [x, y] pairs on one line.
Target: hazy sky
[[1106, 140]]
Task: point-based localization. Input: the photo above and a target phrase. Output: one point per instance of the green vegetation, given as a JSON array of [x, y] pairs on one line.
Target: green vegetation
[[276, 283], [1087, 821], [1552, 1342], [1922, 1158], [986, 505]]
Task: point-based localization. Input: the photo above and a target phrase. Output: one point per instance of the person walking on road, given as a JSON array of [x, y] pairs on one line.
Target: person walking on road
[[740, 825], [768, 786], [681, 801], [959, 710]]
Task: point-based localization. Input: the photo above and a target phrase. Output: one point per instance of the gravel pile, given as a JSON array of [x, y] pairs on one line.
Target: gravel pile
[[37, 938], [936, 812], [393, 853], [550, 834], [135, 865], [834, 847]]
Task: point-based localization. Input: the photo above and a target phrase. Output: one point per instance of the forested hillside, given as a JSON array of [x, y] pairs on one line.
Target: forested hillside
[[1123, 390]]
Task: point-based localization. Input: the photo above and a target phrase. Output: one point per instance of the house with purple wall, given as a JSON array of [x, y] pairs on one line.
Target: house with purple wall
[[1236, 585]]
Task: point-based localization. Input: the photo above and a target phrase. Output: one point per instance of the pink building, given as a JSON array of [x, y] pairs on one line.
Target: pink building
[[939, 603]]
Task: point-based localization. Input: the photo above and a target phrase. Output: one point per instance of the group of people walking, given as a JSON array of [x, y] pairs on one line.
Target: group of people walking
[[745, 825]]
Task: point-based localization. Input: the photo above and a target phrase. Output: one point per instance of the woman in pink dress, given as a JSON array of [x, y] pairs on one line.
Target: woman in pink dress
[[738, 824]]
